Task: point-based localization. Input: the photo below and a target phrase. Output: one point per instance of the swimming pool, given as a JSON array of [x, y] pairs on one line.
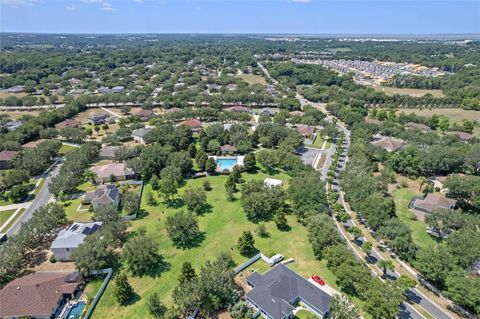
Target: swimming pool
[[226, 163], [76, 311]]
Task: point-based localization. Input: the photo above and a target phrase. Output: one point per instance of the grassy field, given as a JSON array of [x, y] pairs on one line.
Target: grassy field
[[304, 314], [318, 143], [72, 205], [65, 149], [16, 114], [453, 114], [5, 215], [412, 92], [420, 237], [14, 219], [222, 226], [253, 79]]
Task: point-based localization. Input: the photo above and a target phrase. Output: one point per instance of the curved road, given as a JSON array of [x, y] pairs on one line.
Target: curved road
[[417, 297]]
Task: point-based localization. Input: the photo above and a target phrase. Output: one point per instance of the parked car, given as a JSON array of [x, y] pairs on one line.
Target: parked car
[[3, 238], [275, 259], [318, 280]]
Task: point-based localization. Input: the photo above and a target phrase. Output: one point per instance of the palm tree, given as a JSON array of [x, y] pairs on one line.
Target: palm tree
[[422, 181]]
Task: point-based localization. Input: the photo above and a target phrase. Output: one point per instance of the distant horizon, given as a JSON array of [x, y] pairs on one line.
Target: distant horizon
[[266, 17]]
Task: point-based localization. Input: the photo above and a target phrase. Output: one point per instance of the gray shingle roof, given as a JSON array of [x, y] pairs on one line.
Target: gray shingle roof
[[276, 291], [74, 235]]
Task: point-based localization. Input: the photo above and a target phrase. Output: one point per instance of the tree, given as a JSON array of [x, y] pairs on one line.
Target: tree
[[187, 273], [106, 214], [207, 186], [246, 243], [125, 109], [122, 289], [131, 200], [260, 202], [201, 158], [356, 232], [322, 234], [183, 229], [249, 161], [195, 198], [141, 255], [240, 310], [192, 150], [405, 283], [231, 183], [383, 301], [19, 192], [367, 248], [342, 308], [210, 166], [280, 220], [155, 307], [168, 188], [151, 199], [262, 230], [94, 253], [385, 265], [314, 200]]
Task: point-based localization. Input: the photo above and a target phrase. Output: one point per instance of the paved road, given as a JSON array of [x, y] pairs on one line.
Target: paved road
[[40, 200], [406, 310]]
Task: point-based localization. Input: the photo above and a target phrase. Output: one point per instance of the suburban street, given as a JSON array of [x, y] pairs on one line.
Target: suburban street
[[413, 294], [41, 199]]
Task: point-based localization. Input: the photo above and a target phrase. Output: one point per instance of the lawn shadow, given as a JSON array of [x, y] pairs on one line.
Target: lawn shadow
[[196, 242], [206, 208], [142, 213], [251, 253], [160, 266], [285, 228], [174, 203]]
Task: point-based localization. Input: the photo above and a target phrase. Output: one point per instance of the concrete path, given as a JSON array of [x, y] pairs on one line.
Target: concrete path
[[14, 206]]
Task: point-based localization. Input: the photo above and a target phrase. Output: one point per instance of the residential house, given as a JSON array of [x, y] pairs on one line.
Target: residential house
[[117, 89], [194, 124], [437, 182], [102, 90], [74, 81], [463, 136], [115, 171], [39, 296], [11, 125], [276, 292], [108, 152], [431, 202], [266, 110], [16, 89], [70, 238], [173, 110], [306, 131], [67, 123], [237, 109], [228, 149], [388, 143], [296, 113], [145, 115], [418, 126], [6, 158], [33, 144], [102, 196], [139, 134], [99, 118]]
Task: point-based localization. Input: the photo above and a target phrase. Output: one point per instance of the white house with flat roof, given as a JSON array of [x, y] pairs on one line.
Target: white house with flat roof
[[70, 238]]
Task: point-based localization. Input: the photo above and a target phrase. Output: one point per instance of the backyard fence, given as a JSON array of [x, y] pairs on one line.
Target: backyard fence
[[248, 263], [109, 272]]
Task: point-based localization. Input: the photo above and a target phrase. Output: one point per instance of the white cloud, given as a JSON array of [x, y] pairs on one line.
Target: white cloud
[[106, 6], [300, 1], [72, 7], [19, 3]]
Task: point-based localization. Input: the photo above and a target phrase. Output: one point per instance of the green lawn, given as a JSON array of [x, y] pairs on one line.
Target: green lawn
[[318, 143], [5, 215], [222, 227], [420, 237], [14, 219], [72, 205], [40, 185], [65, 149], [304, 314]]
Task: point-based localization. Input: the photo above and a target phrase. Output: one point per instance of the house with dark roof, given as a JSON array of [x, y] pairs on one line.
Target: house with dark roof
[[100, 118], [11, 125], [139, 134], [39, 295], [103, 195], [266, 110], [388, 143], [275, 293], [70, 238], [431, 202], [6, 158]]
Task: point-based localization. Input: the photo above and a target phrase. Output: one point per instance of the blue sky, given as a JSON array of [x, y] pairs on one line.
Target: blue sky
[[241, 16]]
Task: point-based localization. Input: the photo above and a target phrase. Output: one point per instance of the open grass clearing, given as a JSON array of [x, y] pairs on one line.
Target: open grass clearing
[[253, 79], [453, 114], [65, 149], [222, 226], [390, 91], [16, 114]]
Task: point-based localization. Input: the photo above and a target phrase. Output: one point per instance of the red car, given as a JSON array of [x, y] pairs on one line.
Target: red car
[[318, 280]]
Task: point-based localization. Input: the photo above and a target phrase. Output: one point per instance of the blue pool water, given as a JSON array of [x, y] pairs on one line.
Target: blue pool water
[[226, 163], [75, 311]]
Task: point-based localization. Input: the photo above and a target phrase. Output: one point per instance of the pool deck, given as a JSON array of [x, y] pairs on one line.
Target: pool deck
[[239, 159]]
